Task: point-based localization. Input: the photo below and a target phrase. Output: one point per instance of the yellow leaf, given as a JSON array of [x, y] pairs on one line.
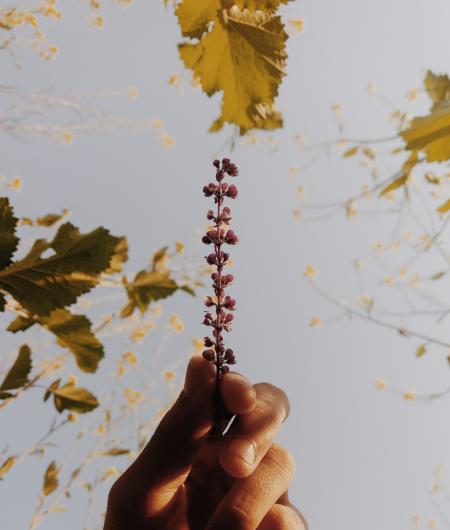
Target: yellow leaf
[[7, 465], [421, 350], [437, 87], [50, 479], [351, 152], [397, 183], [443, 208], [430, 134], [243, 56]]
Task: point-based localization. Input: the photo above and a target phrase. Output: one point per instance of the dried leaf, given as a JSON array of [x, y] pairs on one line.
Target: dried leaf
[[41, 284], [50, 479], [17, 375]]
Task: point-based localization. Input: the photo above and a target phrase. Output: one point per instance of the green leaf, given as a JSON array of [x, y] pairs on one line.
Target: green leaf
[[50, 482], [74, 333], [147, 287], [42, 284], [397, 183], [7, 465], [421, 350], [76, 399], [8, 239], [443, 208], [250, 46], [17, 375]]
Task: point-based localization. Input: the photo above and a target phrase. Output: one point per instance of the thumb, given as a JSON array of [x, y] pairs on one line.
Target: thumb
[[164, 464]]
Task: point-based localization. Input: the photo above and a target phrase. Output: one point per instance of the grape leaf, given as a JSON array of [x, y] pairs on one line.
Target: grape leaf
[[50, 482], [437, 87], [147, 287], [8, 238], [17, 375], [430, 134], [241, 53], [42, 284], [71, 397]]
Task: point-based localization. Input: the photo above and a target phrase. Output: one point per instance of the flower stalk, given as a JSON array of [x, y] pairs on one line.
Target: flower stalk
[[218, 314]]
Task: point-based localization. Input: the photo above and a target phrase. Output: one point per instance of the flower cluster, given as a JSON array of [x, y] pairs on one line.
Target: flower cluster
[[218, 315]]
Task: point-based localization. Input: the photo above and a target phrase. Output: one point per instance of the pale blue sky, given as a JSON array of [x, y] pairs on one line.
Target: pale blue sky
[[364, 458]]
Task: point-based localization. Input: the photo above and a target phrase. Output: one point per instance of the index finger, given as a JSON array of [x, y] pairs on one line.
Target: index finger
[[252, 434]]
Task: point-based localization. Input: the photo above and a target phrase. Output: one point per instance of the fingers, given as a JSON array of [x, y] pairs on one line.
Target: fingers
[[238, 395], [167, 459], [250, 499], [282, 517], [253, 433]]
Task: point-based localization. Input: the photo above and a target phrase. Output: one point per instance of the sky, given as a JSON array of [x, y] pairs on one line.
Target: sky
[[364, 458]]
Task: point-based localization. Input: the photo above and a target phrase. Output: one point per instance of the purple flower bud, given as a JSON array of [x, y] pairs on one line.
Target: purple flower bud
[[225, 369], [209, 302], [229, 318], [208, 342], [232, 192], [229, 303], [209, 355], [215, 277], [211, 259], [210, 215], [231, 238], [207, 240], [216, 164], [224, 187], [225, 161], [227, 279], [229, 356]]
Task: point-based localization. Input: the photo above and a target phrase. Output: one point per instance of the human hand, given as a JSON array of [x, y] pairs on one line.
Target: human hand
[[184, 480]]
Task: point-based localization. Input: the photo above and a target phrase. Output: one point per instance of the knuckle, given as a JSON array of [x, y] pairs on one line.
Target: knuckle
[[238, 518], [282, 518], [283, 461], [276, 396]]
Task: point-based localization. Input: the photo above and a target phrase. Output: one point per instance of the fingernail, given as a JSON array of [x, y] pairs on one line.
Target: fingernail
[[243, 450]]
